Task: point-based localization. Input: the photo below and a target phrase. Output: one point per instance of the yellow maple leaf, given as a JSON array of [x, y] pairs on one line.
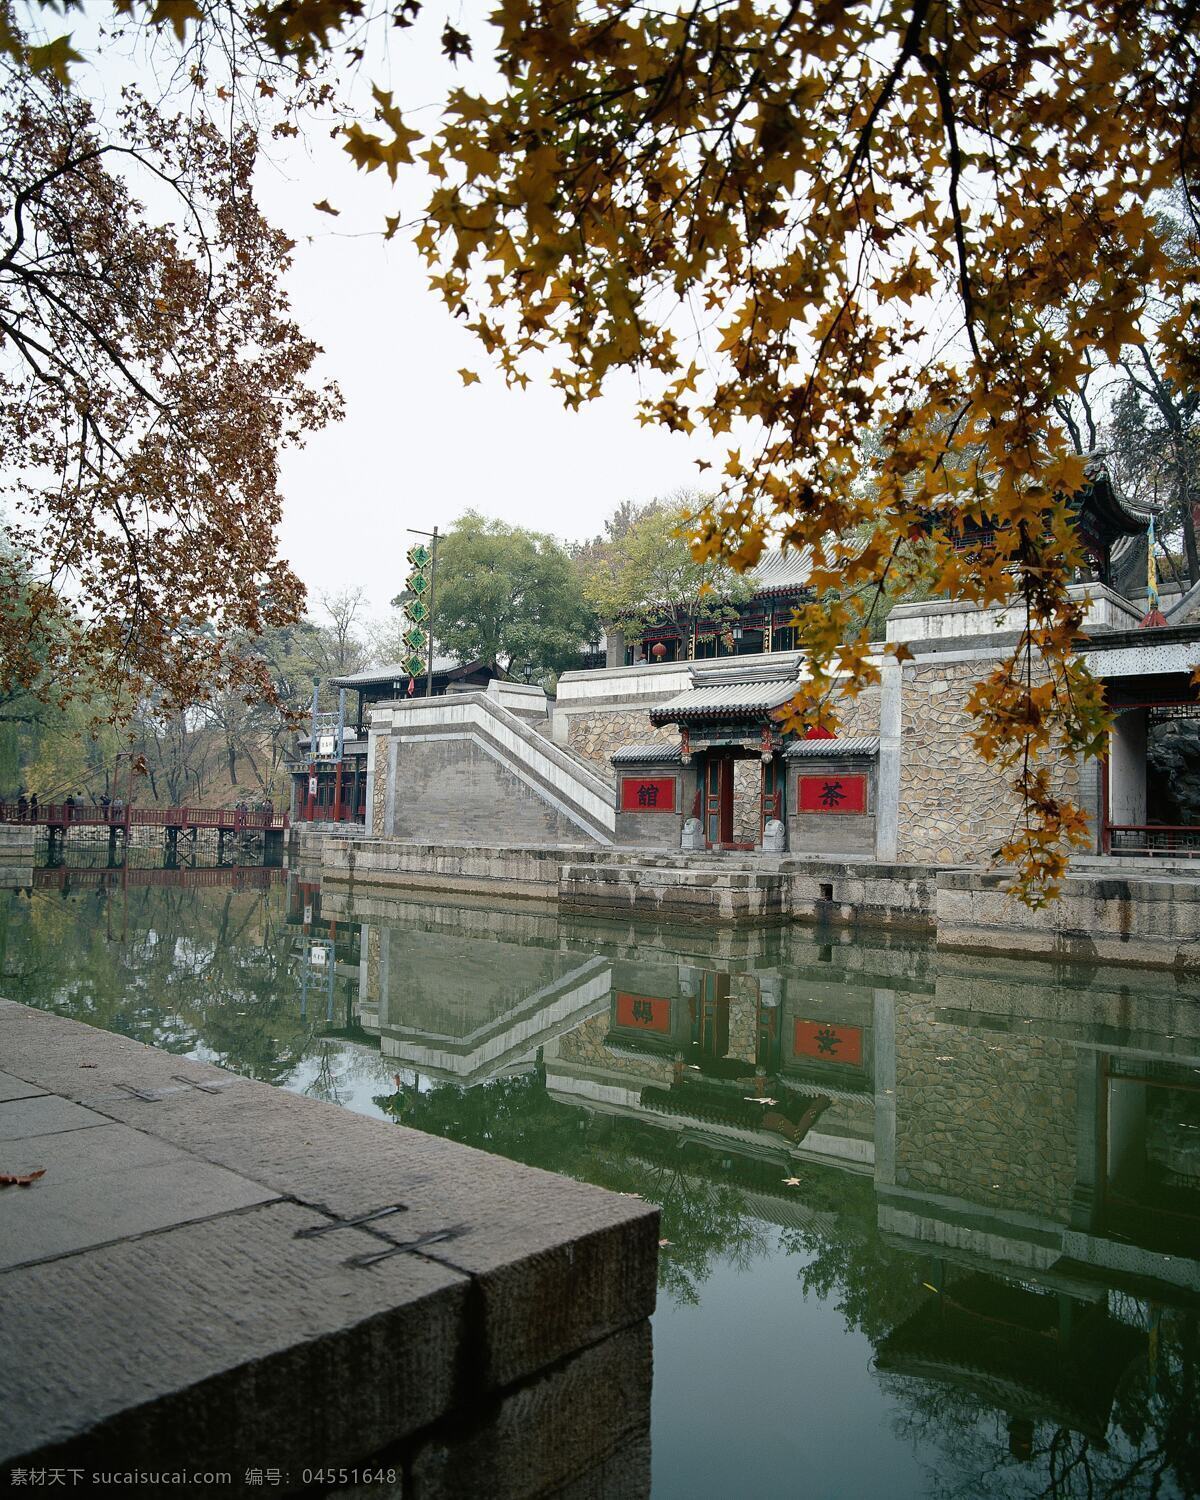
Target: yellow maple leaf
[[469, 377], [176, 14]]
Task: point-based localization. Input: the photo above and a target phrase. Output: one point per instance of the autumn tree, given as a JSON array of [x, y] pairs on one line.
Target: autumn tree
[[793, 222], [149, 376], [647, 575]]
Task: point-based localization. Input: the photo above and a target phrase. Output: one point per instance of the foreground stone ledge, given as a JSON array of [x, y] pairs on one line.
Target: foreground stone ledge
[[216, 1333]]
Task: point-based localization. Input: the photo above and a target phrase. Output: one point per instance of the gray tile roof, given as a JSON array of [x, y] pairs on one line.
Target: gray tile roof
[[655, 753], [778, 571], [853, 745], [743, 692], [374, 676]]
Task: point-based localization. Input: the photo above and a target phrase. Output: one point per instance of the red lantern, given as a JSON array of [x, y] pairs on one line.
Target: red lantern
[[658, 651]]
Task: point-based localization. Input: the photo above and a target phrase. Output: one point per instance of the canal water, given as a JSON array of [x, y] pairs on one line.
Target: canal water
[[930, 1222]]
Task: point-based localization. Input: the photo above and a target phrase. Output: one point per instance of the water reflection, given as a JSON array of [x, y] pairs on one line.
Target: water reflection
[[990, 1172]]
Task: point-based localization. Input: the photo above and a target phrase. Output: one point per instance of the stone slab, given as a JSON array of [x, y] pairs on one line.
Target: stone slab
[[43, 1114], [557, 1264], [223, 1346], [228, 1328], [16, 1088], [106, 1184]]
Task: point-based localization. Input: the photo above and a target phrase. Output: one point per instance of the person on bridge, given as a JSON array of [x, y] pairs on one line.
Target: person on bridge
[[118, 811], [22, 807], [33, 808], [69, 804]]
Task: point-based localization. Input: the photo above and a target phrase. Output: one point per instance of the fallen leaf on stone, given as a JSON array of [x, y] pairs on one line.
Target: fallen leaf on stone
[[791, 1182], [20, 1179], [89, 1065], [662, 1244], [754, 1099]]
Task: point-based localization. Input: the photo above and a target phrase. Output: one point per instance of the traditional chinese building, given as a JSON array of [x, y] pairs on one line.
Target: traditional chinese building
[[329, 776], [762, 624], [683, 750]]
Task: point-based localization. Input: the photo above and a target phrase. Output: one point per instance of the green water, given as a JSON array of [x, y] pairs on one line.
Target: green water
[[931, 1221]]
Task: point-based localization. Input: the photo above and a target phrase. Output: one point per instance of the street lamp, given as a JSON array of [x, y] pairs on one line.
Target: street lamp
[[527, 670]]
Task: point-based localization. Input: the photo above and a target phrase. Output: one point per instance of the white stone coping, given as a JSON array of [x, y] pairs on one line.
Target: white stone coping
[[938, 619], [1147, 660]]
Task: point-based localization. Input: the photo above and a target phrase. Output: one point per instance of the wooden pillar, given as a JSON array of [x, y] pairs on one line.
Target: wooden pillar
[[337, 793]]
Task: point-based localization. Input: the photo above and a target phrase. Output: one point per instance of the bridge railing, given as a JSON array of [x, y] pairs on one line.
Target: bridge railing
[[83, 815]]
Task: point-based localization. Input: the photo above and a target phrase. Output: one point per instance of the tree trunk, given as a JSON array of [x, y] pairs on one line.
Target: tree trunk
[[1189, 541]]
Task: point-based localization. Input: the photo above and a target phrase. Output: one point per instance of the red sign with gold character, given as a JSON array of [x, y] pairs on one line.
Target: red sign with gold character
[[829, 1042], [643, 1012], [648, 794], [832, 793]]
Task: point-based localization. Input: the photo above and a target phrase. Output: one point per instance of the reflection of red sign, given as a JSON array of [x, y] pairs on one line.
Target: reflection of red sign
[[832, 793], [648, 794], [643, 1012], [828, 1041]]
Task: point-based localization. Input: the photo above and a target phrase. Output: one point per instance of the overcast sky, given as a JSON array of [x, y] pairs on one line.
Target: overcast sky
[[416, 447]]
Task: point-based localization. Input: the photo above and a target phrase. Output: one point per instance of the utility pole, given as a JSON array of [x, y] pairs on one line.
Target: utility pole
[[433, 536]]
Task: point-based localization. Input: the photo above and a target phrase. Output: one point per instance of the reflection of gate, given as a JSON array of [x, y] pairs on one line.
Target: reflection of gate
[[712, 1020], [718, 798], [773, 779]]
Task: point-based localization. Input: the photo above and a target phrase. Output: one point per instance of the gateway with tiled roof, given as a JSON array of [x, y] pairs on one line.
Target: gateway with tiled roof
[[746, 693]]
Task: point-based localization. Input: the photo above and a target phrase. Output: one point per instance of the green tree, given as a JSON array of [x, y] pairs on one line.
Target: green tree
[[647, 575], [507, 595]]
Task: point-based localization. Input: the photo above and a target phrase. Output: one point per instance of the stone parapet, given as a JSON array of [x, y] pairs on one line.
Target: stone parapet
[[1123, 919], [1143, 919]]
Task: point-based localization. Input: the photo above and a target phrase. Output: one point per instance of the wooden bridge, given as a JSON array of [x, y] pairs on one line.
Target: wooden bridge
[[59, 816]]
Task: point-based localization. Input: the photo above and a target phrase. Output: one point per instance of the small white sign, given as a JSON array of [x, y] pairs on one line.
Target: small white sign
[[318, 957], [325, 743], [308, 914], [312, 786]]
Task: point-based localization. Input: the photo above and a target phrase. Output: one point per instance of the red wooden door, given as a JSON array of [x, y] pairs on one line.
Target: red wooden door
[[718, 799]]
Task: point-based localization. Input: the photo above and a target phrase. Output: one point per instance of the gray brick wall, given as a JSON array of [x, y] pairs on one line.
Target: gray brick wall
[[449, 790]]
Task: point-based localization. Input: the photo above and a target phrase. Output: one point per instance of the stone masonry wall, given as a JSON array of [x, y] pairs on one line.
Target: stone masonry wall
[[379, 791], [953, 807], [747, 800], [984, 1115], [743, 1017], [596, 735], [585, 1047]]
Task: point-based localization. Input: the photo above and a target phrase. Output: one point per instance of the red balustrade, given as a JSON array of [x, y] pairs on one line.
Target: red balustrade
[[84, 815]]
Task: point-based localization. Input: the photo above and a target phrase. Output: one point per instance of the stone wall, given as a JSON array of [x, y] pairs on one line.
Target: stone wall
[[984, 1115], [596, 735], [953, 807], [743, 1017], [379, 790], [747, 801], [586, 1046], [450, 785]]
